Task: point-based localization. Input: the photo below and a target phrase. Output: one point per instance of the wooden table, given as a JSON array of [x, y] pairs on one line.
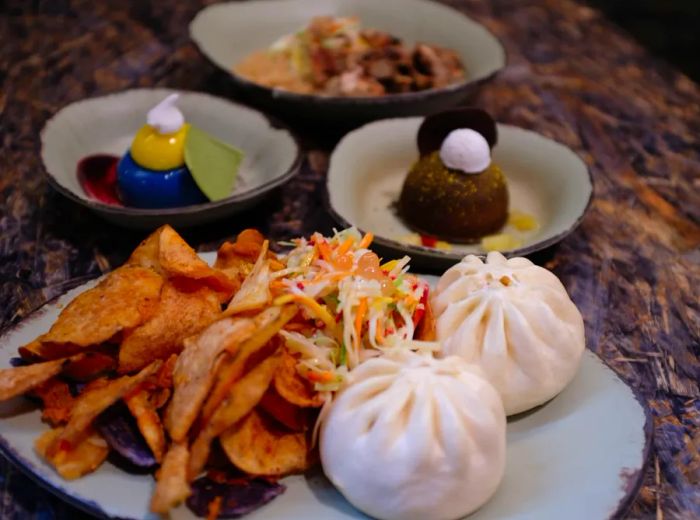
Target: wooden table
[[633, 267]]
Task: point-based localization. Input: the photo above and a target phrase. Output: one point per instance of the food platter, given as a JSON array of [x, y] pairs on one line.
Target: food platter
[[564, 458]]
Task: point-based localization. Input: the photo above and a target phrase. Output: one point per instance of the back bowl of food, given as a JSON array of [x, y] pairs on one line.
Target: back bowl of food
[[348, 60]]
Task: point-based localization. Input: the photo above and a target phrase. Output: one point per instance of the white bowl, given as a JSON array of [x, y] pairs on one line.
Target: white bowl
[[108, 124], [367, 169]]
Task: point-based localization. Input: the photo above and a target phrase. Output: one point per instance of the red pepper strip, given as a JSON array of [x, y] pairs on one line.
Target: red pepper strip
[[420, 309]]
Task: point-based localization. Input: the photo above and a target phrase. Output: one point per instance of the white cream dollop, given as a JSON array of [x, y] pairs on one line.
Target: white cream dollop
[[516, 321], [412, 437], [166, 117], [466, 150]]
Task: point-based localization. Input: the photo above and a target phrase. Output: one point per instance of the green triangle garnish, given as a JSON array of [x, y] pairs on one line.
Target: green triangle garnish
[[212, 163]]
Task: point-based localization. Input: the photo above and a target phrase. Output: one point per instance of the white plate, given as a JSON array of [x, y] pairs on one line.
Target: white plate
[[368, 167], [580, 456]]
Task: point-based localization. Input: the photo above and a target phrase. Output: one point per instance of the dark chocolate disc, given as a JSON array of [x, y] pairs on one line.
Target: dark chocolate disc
[[434, 129]]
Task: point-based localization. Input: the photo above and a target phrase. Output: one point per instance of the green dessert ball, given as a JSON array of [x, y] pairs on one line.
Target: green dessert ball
[[453, 205]]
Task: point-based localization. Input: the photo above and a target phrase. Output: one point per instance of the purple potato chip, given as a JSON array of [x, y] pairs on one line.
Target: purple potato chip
[[18, 362], [119, 428], [436, 127], [238, 496]]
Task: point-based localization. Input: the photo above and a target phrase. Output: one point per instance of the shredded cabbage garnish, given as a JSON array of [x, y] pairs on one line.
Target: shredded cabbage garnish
[[360, 307]]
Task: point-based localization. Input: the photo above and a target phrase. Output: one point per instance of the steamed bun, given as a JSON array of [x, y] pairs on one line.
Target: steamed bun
[[516, 321], [413, 437]]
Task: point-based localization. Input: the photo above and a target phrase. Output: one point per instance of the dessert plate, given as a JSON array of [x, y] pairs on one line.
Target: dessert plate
[[106, 125], [367, 169], [564, 460], [228, 32]]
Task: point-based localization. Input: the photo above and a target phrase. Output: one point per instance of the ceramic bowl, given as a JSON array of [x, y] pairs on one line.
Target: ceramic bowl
[[106, 125], [228, 32], [367, 169]]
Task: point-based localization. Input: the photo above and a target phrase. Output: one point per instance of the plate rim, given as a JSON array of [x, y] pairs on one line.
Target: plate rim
[[630, 482], [346, 101], [438, 254], [192, 209]]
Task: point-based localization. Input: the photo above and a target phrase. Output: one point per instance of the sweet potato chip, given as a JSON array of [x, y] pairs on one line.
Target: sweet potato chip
[[84, 458], [118, 427], [123, 300], [232, 497], [166, 252], [171, 480], [255, 293], [294, 388], [194, 372], [290, 416], [268, 323], [18, 380], [92, 402], [57, 401], [244, 395], [179, 315], [259, 447], [148, 421]]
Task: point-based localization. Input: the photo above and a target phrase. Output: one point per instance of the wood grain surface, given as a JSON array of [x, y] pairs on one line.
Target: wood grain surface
[[633, 267]]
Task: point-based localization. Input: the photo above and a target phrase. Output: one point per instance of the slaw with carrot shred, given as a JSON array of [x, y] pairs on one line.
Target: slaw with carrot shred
[[360, 306]]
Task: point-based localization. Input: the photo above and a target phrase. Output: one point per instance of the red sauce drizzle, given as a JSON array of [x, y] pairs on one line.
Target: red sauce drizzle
[[428, 241], [97, 174]]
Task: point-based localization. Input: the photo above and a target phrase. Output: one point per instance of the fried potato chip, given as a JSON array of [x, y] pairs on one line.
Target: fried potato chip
[[426, 327], [123, 300], [18, 380], [166, 252], [255, 293], [91, 366], [268, 323], [164, 379], [147, 420], [84, 458], [171, 480], [57, 401], [92, 402], [146, 253], [293, 417], [179, 315], [244, 396], [238, 258], [294, 388], [259, 447], [194, 371]]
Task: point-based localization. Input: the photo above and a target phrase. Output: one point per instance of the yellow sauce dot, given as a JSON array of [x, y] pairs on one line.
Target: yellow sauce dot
[[500, 242], [522, 221]]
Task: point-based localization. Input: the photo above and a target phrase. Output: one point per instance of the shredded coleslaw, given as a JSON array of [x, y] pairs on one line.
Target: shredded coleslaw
[[360, 307]]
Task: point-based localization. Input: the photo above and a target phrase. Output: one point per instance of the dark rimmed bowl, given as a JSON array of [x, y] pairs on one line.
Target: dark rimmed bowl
[[106, 125], [227, 32]]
